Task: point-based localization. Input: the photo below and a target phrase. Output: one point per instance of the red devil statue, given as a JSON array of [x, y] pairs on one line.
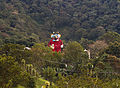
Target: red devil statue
[[55, 43]]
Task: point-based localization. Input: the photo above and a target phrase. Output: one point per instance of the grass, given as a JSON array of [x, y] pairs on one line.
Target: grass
[[39, 83], [19, 86]]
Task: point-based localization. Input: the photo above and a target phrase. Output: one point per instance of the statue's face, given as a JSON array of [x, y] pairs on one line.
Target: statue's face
[[55, 36]]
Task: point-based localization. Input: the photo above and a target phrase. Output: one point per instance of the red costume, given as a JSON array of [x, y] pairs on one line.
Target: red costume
[[56, 44]]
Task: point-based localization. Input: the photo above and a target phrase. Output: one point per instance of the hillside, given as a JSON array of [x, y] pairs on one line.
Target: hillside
[[90, 32], [26, 21]]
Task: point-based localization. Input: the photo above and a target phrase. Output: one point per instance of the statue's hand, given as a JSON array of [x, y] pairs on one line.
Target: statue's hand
[[52, 47], [61, 46]]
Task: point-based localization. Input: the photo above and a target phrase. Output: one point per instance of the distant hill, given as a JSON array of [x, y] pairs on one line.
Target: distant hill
[[29, 21]]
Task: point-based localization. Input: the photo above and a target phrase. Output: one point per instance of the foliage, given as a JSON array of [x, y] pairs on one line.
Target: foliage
[[110, 37], [85, 42], [73, 53], [31, 21], [86, 82], [67, 69], [41, 54], [31, 83], [19, 86], [114, 49], [49, 74], [17, 51], [11, 74], [97, 47]]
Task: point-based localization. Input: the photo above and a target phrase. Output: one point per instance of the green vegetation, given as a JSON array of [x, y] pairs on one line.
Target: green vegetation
[[71, 67], [86, 26], [31, 21]]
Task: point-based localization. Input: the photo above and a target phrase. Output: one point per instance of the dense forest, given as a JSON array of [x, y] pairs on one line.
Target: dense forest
[[34, 20], [85, 25]]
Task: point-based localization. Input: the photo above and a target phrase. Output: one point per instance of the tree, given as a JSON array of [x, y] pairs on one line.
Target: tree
[[73, 53], [11, 73], [49, 74], [17, 51], [114, 49], [41, 54], [85, 42], [85, 82], [96, 47], [95, 33], [110, 37]]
